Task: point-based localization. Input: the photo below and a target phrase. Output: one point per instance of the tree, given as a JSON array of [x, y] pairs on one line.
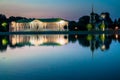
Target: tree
[[82, 23], [97, 18], [12, 18], [89, 27], [2, 17], [72, 25], [4, 27], [115, 24], [3, 23], [119, 22], [102, 26], [108, 20]]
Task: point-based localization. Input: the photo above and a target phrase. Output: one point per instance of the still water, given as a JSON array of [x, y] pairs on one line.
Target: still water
[[60, 57]]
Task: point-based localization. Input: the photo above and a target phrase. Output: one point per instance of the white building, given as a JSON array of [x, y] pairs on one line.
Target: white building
[[52, 24]]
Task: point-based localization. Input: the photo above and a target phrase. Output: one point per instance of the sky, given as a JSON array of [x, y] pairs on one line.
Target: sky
[[67, 9]]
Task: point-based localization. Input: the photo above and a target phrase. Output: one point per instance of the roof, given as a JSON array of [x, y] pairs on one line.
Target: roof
[[42, 20], [24, 20], [51, 20]]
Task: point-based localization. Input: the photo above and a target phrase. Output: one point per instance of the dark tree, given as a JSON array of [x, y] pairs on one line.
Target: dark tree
[[82, 23], [2, 17], [12, 18], [119, 23], [115, 23], [108, 20], [97, 18], [3, 23], [72, 26]]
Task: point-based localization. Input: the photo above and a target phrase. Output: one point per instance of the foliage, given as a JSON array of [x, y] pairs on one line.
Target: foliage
[[4, 24], [72, 25], [102, 26], [89, 27]]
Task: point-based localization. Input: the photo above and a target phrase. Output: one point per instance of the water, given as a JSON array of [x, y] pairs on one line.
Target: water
[[60, 57]]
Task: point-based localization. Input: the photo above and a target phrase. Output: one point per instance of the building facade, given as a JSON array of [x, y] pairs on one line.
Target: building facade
[[53, 24]]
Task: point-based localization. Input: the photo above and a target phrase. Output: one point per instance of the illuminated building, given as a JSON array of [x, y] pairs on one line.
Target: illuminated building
[[103, 16], [92, 16], [52, 24]]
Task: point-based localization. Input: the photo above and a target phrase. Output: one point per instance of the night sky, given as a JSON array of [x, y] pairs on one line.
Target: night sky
[[67, 9]]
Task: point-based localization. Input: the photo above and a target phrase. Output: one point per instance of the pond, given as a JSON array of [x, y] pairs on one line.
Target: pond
[[60, 57]]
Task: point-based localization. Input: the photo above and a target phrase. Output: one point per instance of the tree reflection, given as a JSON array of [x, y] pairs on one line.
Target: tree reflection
[[4, 41], [94, 42], [83, 41]]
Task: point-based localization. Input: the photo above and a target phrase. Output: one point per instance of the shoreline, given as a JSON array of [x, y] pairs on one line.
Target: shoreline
[[61, 32]]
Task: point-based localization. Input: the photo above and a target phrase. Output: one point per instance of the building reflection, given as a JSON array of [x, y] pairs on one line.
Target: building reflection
[[39, 40], [93, 42]]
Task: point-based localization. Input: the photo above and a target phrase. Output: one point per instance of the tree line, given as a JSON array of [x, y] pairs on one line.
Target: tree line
[[87, 23], [84, 22], [4, 22]]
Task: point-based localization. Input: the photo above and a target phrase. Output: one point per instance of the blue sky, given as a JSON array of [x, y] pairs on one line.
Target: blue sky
[[68, 9]]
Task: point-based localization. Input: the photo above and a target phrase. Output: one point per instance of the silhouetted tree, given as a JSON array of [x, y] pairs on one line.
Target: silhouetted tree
[[2, 17], [119, 23], [97, 18], [108, 20], [82, 23], [115, 23], [72, 26], [12, 18], [3, 23]]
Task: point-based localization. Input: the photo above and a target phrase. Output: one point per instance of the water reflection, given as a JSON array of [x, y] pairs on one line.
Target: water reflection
[[38, 40], [94, 42]]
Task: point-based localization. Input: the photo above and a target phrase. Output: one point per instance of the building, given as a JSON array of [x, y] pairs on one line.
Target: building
[[92, 16], [97, 22], [51, 24], [103, 16]]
